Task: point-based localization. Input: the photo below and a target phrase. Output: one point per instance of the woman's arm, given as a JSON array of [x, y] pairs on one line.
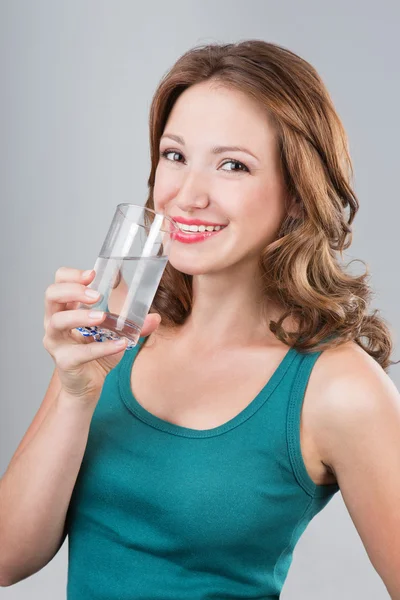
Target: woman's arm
[[358, 435], [36, 488]]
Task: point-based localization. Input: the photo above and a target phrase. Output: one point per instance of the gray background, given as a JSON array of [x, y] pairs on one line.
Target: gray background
[[77, 78]]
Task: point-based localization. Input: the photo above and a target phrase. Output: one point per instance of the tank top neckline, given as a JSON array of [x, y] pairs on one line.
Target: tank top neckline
[[124, 384]]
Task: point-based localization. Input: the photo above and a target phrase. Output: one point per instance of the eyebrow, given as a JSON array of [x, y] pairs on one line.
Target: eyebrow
[[215, 149]]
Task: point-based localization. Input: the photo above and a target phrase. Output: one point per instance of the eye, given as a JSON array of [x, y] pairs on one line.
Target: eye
[[174, 154], [238, 166]]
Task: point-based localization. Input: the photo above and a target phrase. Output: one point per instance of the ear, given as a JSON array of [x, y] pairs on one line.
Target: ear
[[295, 208]]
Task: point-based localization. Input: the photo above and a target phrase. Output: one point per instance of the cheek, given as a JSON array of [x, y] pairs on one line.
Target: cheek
[[166, 187], [258, 215]]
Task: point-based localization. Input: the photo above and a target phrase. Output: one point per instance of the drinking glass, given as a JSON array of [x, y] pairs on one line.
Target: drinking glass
[[128, 271]]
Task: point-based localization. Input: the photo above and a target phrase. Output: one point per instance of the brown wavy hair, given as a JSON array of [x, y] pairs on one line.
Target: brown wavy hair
[[300, 269]]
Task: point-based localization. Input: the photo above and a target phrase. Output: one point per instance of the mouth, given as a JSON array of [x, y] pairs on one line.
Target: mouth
[[190, 232]]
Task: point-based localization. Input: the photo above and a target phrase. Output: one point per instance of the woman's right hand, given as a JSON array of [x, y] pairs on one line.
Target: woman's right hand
[[82, 363]]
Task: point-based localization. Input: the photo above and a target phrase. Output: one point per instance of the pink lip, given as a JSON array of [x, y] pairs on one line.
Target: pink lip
[[195, 222]]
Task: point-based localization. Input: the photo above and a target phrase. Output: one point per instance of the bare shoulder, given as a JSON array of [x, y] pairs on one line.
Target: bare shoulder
[[343, 369], [347, 369], [348, 388]]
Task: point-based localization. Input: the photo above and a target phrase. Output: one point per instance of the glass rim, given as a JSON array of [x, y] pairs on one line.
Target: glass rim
[[170, 219]]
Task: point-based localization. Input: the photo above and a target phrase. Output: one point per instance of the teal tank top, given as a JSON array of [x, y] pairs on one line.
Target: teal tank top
[[164, 512]]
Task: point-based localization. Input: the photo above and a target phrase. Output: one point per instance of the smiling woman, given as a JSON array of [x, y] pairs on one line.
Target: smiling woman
[[236, 434], [222, 434]]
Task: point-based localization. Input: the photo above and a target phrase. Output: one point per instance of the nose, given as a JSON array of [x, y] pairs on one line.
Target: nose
[[193, 193]]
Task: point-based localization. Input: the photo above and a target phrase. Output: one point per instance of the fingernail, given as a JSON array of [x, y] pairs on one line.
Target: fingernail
[[86, 274], [95, 314], [91, 293], [120, 343]]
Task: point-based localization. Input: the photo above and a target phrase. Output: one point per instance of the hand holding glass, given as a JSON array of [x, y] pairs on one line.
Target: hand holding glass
[[128, 271]]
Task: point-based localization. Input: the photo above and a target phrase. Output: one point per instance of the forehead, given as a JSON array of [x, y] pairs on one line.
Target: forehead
[[214, 113]]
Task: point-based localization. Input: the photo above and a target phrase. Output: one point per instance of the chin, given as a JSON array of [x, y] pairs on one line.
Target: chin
[[191, 269], [193, 265]]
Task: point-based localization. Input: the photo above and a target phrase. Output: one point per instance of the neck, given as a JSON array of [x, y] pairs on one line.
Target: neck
[[229, 308]]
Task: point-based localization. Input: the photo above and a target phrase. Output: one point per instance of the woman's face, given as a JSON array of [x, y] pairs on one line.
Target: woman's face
[[219, 165]]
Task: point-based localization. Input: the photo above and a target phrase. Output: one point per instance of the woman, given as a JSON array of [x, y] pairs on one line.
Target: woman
[[262, 392]]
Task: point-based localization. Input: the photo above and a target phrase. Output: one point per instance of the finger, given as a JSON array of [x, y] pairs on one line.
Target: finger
[[68, 274], [151, 323], [62, 322], [70, 357], [59, 295]]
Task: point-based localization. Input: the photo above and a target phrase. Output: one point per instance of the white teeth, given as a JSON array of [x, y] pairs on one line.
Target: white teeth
[[199, 228]]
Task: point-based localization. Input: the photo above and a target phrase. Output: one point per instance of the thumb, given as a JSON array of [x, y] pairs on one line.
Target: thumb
[[151, 323]]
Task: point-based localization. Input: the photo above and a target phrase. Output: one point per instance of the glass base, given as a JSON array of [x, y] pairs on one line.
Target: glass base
[[107, 331]]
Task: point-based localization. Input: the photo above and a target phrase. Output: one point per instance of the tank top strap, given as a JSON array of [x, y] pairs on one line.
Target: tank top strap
[[295, 404]]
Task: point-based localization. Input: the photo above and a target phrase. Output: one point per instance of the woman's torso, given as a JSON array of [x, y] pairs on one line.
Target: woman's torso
[[222, 382], [193, 482]]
